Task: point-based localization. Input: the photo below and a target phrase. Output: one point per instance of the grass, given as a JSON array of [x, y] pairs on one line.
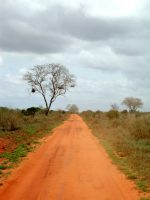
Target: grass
[[25, 136], [10, 119], [126, 138], [14, 156], [2, 167]]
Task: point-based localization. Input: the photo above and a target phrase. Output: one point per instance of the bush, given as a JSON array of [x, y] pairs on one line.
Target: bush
[[140, 128], [124, 112], [9, 119], [112, 114], [31, 111]]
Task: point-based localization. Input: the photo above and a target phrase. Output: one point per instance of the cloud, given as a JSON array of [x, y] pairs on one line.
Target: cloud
[[82, 26], [55, 28], [108, 53], [131, 46], [1, 60]]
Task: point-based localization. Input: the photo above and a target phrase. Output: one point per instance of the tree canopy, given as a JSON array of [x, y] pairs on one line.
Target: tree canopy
[[50, 80], [132, 103], [72, 108]]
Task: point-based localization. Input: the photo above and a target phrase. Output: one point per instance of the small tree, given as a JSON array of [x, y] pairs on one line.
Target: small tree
[[114, 107], [51, 81], [72, 108], [132, 103]]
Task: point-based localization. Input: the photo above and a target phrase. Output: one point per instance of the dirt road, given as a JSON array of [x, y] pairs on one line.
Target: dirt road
[[69, 165]]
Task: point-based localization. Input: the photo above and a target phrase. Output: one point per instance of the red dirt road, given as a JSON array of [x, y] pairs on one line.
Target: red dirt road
[[69, 165]]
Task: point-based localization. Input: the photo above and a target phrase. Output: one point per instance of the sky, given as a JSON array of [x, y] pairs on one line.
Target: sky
[[104, 43]]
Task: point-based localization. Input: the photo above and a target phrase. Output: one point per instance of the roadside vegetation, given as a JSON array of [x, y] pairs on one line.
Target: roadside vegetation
[[20, 131], [126, 137]]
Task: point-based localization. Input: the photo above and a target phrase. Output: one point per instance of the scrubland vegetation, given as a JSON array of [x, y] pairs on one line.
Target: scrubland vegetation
[[20, 131], [126, 137]]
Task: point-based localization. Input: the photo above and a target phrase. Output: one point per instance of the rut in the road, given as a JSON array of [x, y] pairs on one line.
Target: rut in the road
[[69, 165]]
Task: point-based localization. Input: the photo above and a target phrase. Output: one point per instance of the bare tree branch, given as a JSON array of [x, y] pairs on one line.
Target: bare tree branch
[[50, 81]]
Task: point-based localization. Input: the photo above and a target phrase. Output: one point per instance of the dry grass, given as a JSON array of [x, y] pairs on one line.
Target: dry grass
[[9, 119], [126, 137], [21, 133]]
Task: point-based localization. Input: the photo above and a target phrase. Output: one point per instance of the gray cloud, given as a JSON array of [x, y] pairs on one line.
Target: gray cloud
[[54, 30], [84, 27], [23, 32], [131, 46]]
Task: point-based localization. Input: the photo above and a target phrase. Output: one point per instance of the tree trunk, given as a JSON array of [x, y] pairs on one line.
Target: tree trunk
[[46, 111], [48, 107]]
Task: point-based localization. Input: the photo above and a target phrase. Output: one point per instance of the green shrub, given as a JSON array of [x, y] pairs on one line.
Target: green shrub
[[2, 167], [31, 111]]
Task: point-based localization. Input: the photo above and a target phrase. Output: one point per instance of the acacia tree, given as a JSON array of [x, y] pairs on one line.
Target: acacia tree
[[132, 103], [114, 107], [51, 81], [72, 108]]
